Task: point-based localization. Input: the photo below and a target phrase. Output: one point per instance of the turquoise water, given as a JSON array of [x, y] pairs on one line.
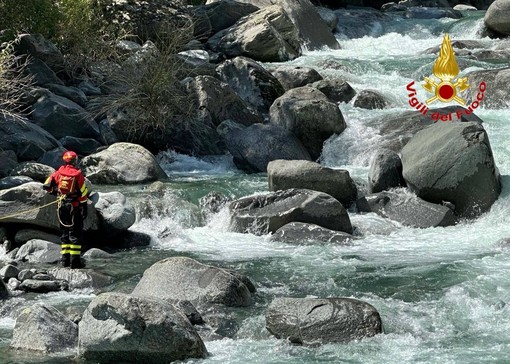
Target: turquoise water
[[442, 292]]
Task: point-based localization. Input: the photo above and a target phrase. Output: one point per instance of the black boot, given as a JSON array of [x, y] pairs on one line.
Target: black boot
[[65, 260], [76, 262]]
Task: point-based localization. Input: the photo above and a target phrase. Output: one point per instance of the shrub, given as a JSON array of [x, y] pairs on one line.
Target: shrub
[[13, 82]]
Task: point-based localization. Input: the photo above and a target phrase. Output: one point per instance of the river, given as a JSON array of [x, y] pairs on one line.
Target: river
[[441, 292]]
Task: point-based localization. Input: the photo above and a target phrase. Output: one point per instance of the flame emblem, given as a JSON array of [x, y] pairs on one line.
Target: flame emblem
[[446, 69]]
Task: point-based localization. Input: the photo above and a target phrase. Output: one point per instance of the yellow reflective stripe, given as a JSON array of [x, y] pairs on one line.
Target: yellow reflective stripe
[[48, 180], [71, 246], [74, 252], [84, 190], [64, 251], [65, 246]]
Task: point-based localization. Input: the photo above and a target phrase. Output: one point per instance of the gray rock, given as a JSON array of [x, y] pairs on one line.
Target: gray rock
[[81, 278], [44, 329], [262, 214], [409, 210], [11, 182], [187, 308], [108, 136], [213, 202], [62, 117], [255, 146], [356, 22], [431, 13], [284, 175], [9, 161], [40, 73], [497, 17], [462, 7], [453, 162], [301, 233], [498, 83], [222, 102], [115, 212], [38, 47], [292, 77], [267, 35], [26, 274], [82, 146], [122, 163], [42, 277], [39, 251], [307, 112], [34, 285], [130, 239], [181, 278], [8, 271], [53, 158], [36, 171], [96, 253], [118, 328], [385, 172], [252, 82], [370, 99], [212, 18], [27, 140], [312, 321], [335, 90], [13, 284], [69, 92]]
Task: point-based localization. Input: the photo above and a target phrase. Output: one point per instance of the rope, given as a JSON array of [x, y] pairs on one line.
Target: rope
[[59, 200], [33, 209]]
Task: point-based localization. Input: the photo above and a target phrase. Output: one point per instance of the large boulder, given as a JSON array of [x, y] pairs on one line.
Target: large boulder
[[222, 102], [497, 17], [82, 146], [497, 81], [122, 163], [267, 35], [370, 99], [211, 18], [313, 321], [302, 233], [257, 145], [314, 33], [283, 175], [39, 251], [44, 329], [182, 278], [62, 117], [307, 112], [252, 82], [36, 46], [453, 162], [14, 181], [385, 171], [28, 140], [262, 214], [408, 210], [81, 278], [115, 212], [112, 216], [9, 162], [36, 171], [117, 328]]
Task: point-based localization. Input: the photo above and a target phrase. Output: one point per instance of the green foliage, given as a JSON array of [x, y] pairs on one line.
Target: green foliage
[[30, 16]]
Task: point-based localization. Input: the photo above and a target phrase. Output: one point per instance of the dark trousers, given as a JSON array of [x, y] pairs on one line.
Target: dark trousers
[[71, 229]]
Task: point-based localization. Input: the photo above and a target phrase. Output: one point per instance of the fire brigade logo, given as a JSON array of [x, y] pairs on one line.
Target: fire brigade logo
[[446, 87], [446, 69]]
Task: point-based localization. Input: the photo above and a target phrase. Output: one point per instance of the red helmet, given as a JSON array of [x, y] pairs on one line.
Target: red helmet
[[69, 156]]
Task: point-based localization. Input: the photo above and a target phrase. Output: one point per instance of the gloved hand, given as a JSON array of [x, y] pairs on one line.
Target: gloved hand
[[83, 210]]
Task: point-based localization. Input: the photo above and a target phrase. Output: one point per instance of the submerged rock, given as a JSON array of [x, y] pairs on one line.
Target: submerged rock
[[370, 99], [315, 321], [45, 329], [302, 233], [117, 327], [409, 210]]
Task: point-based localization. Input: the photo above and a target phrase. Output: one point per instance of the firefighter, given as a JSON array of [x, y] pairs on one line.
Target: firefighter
[[68, 183]]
